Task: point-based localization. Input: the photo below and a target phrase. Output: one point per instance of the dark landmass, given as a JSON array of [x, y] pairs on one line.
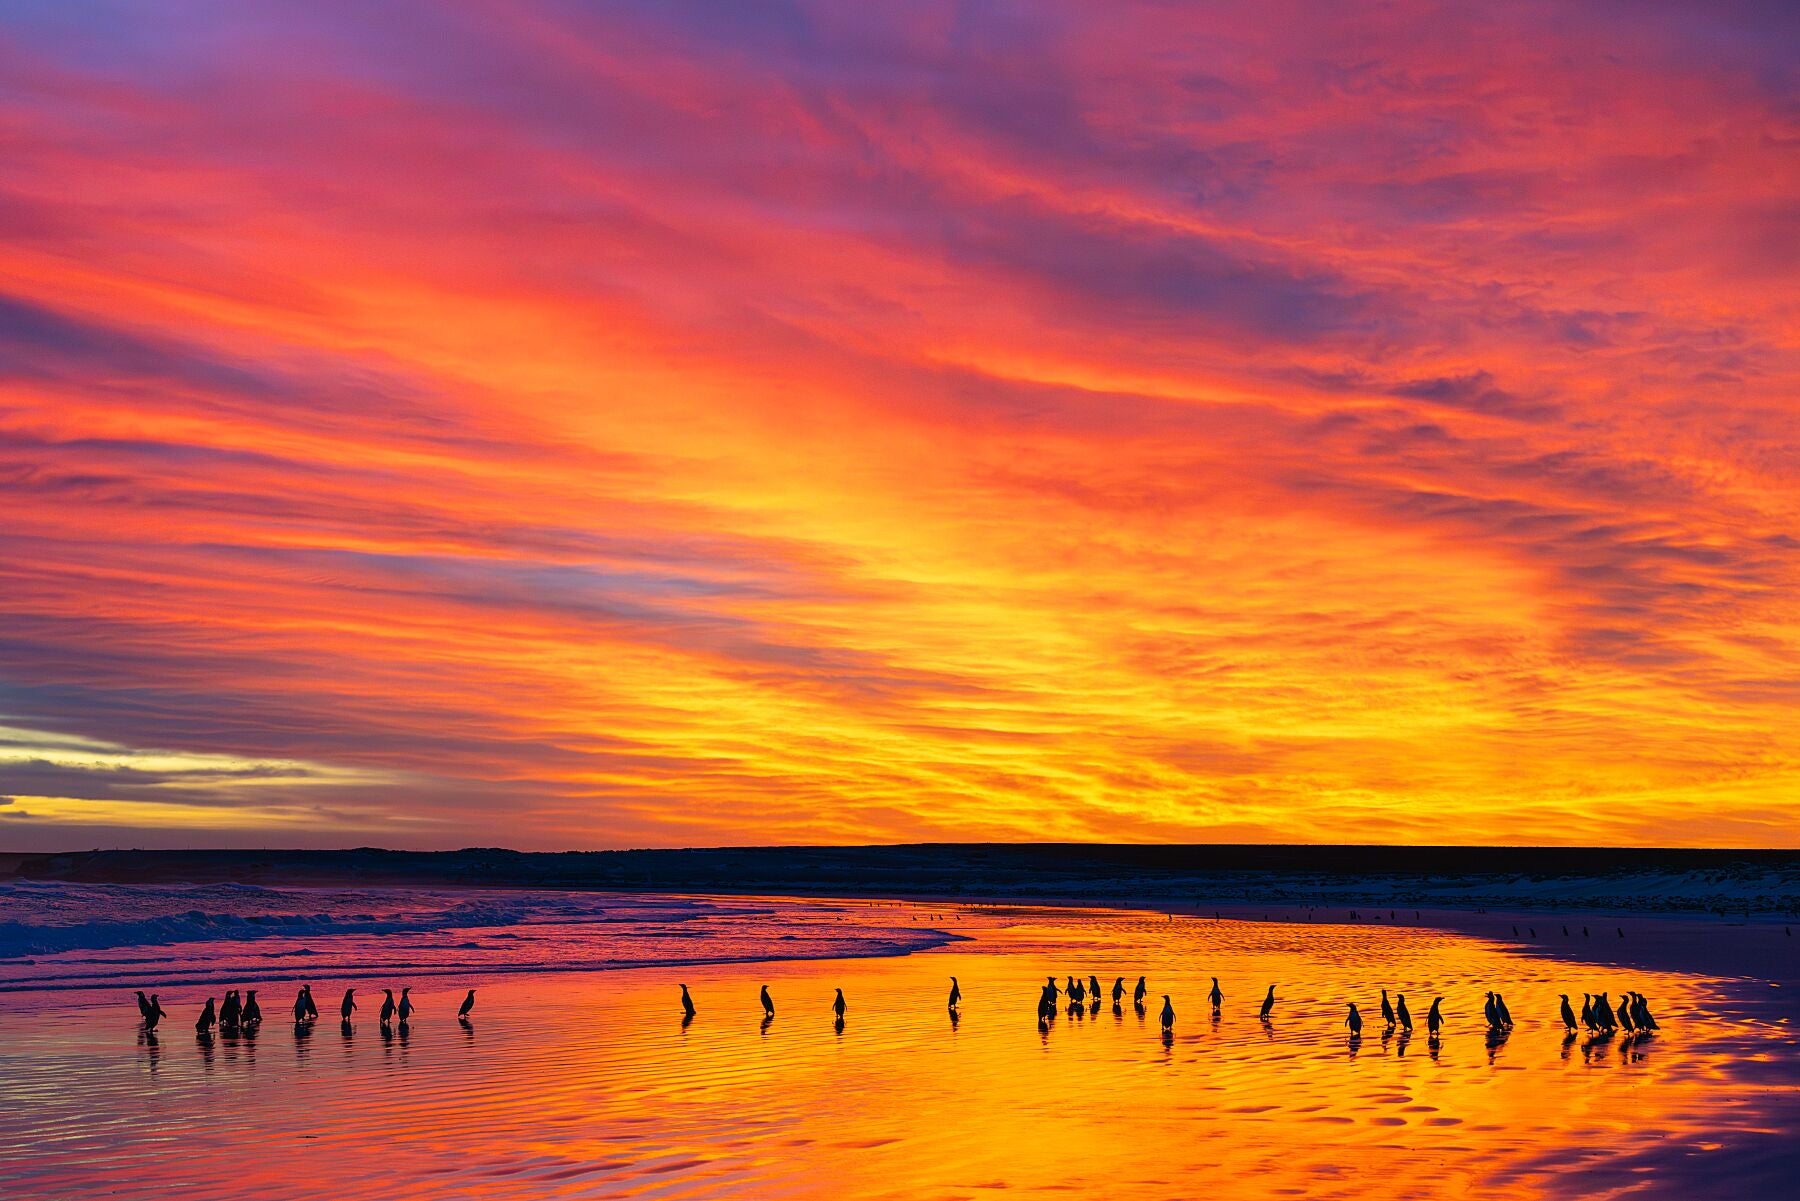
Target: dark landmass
[[1739, 882]]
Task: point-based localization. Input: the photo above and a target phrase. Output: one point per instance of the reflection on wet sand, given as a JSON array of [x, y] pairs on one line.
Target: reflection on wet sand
[[605, 1085]]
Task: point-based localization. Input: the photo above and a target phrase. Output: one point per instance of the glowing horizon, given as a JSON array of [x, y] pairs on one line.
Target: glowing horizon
[[564, 426]]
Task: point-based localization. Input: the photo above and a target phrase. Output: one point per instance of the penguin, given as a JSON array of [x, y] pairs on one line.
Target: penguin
[[231, 1010], [349, 1004], [1645, 1019], [252, 1015], [1387, 1009], [468, 1004], [1118, 991], [1077, 992], [1434, 1018], [1168, 1013], [1268, 1004], [1354, 1021], [1094, 988], [1624, 1012], [1500, 1008], [1603, 1013], [208, 1017], [687, 1003], [955, 993], [1215, 996], [768, 1004], [387, 1006], [1401, 1011], [1568, 1012], [300, 1003], [838, 1006], [156, 1013], [1139, 993], [1587, 1011], [143, 1005], [406, 1005]]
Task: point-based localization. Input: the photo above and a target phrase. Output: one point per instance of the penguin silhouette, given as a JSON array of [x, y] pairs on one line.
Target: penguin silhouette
[[143, 1005], [1568, 1012], [1645, 1018], [1587, 1012], [837, 1006], [768, 1003], [1215, 996], [387, 1006], [1434, 1018], [1506, 1021], [252, 1015], [1624, 1012], [1401, 1012], [209, 1017], [300, 1005], [1077, 991], [1268, 1002], [348, 1006], [1138, 993], [1093, 991], [406, 1005], [155, 1013], [1353, 1020], [1168, 1013], [1387, 1008], [1118, 991], [1492, 1014], [687, 1003], [231, 1009], [468, 1003], [955, 993]]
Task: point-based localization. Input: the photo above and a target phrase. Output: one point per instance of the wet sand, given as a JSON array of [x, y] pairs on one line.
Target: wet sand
[[588, 1085]]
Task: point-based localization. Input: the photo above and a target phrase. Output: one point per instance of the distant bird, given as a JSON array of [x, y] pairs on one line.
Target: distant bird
[[348, 1006], [1565, 932], [252, 1015], [1434, 1018], [1138, 993], [1584, 932], [406, 1005], [208, 1018], [1168, 1013], [468, 1004], [1118, 990], [1215, 996], [1621, 930], [1268, 1002], [955, 993], [1401, 1012], [1387, 1009], [1354, 1021], [838, 1006], [1568, 1012], [768, 1003]]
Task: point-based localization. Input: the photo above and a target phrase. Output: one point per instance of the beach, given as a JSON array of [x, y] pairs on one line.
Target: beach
[[586, 1083]]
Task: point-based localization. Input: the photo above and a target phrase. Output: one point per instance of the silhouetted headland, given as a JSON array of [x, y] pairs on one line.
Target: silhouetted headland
[[1648, 880]]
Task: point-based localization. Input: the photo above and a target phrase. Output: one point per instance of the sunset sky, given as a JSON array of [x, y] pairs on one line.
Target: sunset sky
[[559, 424]]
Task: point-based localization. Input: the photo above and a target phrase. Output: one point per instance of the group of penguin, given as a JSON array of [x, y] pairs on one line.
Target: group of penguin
[[245, 1014], [1597, 1014]]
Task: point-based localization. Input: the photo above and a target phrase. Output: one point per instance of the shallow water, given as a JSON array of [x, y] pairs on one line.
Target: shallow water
[[587, 1085]]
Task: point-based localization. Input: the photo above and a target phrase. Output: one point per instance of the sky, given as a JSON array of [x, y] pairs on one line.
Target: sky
[[553, 424]]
